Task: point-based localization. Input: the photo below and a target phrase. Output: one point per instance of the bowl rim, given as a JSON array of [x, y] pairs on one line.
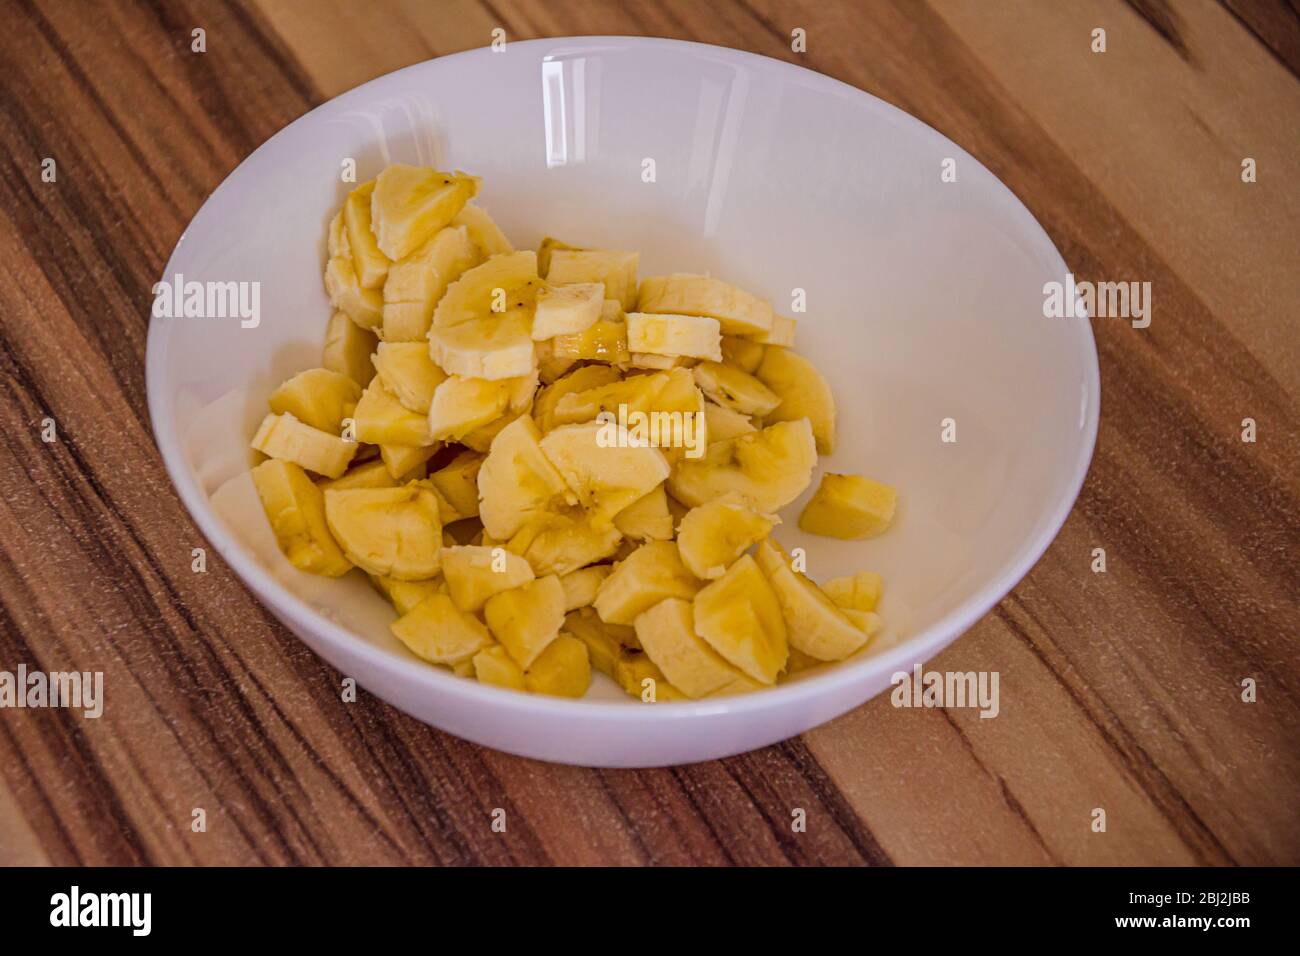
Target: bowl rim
[[298, 614]]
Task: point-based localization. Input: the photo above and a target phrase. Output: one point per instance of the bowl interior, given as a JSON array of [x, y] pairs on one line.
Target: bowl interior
[[923, 297]]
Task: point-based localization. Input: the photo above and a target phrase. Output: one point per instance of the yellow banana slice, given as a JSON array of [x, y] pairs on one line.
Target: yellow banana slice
[[410, 203], [803, 393], [718, 532], [392, 532], [295, 507], [736, 310], [740, 618], [286, 438], [667, 633], [650, 574]]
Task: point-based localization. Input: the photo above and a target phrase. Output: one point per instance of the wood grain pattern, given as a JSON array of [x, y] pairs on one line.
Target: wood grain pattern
[[1120, 690]]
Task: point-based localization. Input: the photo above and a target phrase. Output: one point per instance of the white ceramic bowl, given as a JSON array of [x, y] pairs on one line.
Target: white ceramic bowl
[[924, 302]]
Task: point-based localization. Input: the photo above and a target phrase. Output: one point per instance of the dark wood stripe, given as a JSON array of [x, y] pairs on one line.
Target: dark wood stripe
[[1275, 24], [1154, 783], [1162, 18], [780, 35], [1008, 797], [61, 845], [848, 822], [148, 610]]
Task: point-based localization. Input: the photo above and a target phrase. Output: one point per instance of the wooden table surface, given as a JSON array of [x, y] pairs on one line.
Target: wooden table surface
[[1121, 690]]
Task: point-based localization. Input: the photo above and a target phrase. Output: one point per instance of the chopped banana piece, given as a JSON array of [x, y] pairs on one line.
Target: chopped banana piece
[[405, 595], [410, 203], [424, 275], [475, 573], [860, 591], [715, 534], [491, 346], [370, 474], [606, 469], [480, 439], [770, 555], [813, 623], [724, 423], [370, 263], [382, 420], [348, 348], [319, 397], [672, 391], [436, 630], [568, 309], [604, 341], [647, 518], [681, 294], [563, 540], [741, 352], [463, 405], [403, 462], [548, 245], [868, 622], [562, 669], [447, 512], [295, 507], [667, 633], [527, 618], [586, 619], [493, 665], [393, 532], [450, 515], [517, 480], [603, 649], [650, 574], [659, 363], [408, 372], [286, 438], [615, 270], [674, 335], [768, 468], [781, 333], [580, 586], [638, 675], [458, 482], [740, 618], [850, 507], [337, 243], [803, 393], [581, 379], [730, 387], [365, 307], [416, 283], [483, 231], [583, 405], [493, 287]]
